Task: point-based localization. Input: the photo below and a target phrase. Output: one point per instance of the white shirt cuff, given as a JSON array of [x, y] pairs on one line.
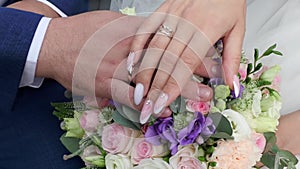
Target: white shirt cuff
[[28, 76], [58, 11]]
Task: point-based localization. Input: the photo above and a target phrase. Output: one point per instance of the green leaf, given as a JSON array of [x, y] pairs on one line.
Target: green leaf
[[258, 67], [221, 135], [268, 159], [285, 157], [71, 144], [67, 109], [270, 141], [277, 53], [221, 123], [178, 106], [249, 68], [62, 115], [248, 80], [124, 121], [261, 83], [269, 50], [256, 55]]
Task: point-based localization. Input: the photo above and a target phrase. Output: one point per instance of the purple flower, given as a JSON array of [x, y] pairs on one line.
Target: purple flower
[[199, 126], [240, 93], [162, 131], [209, 128], [189, 134]]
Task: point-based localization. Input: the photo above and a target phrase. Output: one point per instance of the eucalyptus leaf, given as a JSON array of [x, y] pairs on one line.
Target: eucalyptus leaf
[[286, 157], [71, 144], [221, 123], [123, 121], [221, 135], [179, 105], [268, 159], [270, 141]]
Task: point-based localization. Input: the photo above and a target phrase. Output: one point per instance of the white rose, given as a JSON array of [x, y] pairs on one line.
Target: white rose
[[242, 129], [156, 163], [118, 161], [186, 158]]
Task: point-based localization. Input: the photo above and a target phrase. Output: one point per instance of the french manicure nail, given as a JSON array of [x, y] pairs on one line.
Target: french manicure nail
[[236, 85], [146, 112], [130, 60], [138, 93], [160, 103]]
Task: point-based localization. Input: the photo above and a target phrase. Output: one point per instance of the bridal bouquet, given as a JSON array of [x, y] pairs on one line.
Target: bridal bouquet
[[233, 131]]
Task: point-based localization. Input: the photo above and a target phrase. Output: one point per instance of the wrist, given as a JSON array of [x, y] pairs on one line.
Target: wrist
[[51, 50]]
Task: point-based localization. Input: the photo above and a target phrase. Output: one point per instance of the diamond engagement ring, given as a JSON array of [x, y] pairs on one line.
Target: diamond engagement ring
[[165, 30]]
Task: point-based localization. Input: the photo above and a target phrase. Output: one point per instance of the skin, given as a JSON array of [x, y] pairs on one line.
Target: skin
[[61, 55], [287, 133], [195, 23]]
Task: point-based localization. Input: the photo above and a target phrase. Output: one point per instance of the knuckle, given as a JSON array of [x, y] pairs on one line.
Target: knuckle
[[172, 85], [190, 60], [158, 42], [167, 63]]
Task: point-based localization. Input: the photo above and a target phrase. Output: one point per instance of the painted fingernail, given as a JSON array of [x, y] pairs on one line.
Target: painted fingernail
[[146, 111], [160, 103], [138, 93], [236, 85], [204, 92], [130, 60]]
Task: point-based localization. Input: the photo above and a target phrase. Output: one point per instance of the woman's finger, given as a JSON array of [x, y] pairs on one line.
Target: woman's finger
[[150, 26], [151, 59], [167, 62], [197, 91], [233, 42], [189, 61]]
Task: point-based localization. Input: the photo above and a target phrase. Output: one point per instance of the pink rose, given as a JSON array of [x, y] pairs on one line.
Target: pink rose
[[143, 150], [195, 106], [186, 158], [259, 140], [89, 120], [118, 139]]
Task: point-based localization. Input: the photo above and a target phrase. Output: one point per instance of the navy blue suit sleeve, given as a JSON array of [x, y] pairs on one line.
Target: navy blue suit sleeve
[[17, 29], [71, 7]]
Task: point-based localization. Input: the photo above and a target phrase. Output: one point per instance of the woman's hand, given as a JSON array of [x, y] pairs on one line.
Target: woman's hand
[[287, 133], [87, 54], [184, 31]]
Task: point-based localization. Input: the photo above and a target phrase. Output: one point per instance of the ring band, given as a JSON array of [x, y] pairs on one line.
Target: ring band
[[165, 30]]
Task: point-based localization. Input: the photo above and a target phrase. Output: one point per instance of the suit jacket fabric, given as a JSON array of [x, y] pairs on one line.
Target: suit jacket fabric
[[29, 133]]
